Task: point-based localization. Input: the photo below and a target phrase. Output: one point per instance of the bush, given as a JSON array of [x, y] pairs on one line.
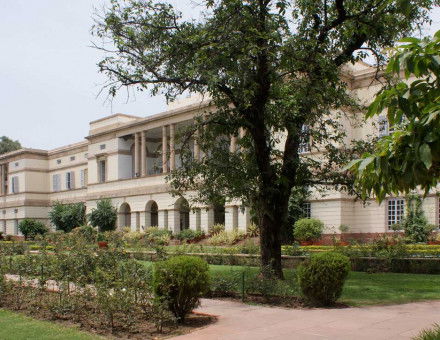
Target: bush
[[322, 277], [67, 216], [31, 228], [87, 232], [190, 235], [216, 229], [415, 223], [104, 216], [180, 282], [226, 238], [253, 230], [429, 334], [157, 236], [308, 229]]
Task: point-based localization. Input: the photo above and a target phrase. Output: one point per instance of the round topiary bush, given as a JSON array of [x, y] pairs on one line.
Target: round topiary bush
[[180, 282], [322, 277], [308, 229], [31, 228]]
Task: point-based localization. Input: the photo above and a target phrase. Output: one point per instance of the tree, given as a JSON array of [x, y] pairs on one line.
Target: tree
[[66, 217], [8, 145], [104, 216], [410, 156], [31, 228], [269, 68]]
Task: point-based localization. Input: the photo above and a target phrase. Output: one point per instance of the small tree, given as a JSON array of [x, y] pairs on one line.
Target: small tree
[[67, 216], [31, 228], [104, 216], [415, 223]]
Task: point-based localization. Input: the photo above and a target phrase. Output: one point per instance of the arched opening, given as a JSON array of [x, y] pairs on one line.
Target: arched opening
[[183, 208], [219, 214], [151, 214], [124, 215]]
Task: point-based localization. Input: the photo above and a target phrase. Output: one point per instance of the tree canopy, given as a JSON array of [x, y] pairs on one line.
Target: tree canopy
[[410, 156], [8, 145], [272, 73]]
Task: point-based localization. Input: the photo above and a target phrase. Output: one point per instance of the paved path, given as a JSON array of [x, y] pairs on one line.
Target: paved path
[[239, 321]]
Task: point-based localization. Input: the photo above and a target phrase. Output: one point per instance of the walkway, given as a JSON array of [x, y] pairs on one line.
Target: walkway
[[239, 321]]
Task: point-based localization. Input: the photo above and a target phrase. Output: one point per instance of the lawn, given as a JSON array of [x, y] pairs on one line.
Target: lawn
[[14, 326], [361, 289]]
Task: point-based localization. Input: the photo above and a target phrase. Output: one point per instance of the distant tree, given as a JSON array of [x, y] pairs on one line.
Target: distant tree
[[104, 216], [410, 156], [66, 217], [31, 228], [270, 67], [8, 145]]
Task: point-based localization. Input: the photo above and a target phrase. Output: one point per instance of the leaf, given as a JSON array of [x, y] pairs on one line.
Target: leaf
[[425, 155], [410, 40]]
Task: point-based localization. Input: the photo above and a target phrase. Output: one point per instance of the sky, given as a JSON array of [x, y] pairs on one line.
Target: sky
[[49, 81]]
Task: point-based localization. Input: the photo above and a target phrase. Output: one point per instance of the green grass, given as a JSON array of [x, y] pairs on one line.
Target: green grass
[[14, 326], [361, 289]]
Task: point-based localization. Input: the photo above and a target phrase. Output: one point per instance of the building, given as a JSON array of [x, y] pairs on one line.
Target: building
[[125, 158]]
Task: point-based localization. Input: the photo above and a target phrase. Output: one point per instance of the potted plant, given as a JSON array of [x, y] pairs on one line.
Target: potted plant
[[308, 230], [102, 243]]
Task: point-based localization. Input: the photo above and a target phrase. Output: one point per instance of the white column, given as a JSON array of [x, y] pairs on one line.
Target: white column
[[142, 221], [194, 219], [143, 155], [231, 217], [164, 149], [136, 154], [134, 216], [147, 219], [206, 218], [196, 146], [163, 219], [172, 147], [233, 144], [174, 220], [244, 219]]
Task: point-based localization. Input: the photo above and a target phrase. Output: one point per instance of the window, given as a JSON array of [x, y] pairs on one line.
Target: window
[[83, 178], [15, 227], [396, 211], [102, 147], [58, 161], [101, 171], [307, 210], [56, 182], [86, 155], [17, 164], [14, 184], [70, 181], [304, 143], [72, 158]]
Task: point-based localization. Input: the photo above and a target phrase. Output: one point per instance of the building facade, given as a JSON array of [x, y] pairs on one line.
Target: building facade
[[126, 158]]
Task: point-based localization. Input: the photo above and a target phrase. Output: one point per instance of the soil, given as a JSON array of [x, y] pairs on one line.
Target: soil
[[30, 301]]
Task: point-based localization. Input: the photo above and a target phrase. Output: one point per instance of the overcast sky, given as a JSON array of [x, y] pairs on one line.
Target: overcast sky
[[48, 75]]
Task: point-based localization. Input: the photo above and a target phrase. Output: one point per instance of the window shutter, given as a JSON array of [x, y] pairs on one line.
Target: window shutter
[[81, 178], [72, 180]]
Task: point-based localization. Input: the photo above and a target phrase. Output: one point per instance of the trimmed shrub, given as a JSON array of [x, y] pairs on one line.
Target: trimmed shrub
[[180, 282], [322, 277], [87, 232], [67, 216], [157, 236], [308, 229], [104, 216], [226, 238], [415, 224], [31, 228], [190, 235]]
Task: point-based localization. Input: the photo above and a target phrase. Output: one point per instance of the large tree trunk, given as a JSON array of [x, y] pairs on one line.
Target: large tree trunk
[[270, 244]]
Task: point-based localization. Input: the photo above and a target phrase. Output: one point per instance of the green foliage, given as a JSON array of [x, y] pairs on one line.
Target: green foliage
[[297, 199], [253, 230], [410, 156], [31, 228], [323, 276], [190, 235], [216, 229], [66, 217], [429, 334], [226, 238], [8, 145], [180, 281], [308, 229], [157, 236], [415, 224], [104, 217], [88, 232]]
